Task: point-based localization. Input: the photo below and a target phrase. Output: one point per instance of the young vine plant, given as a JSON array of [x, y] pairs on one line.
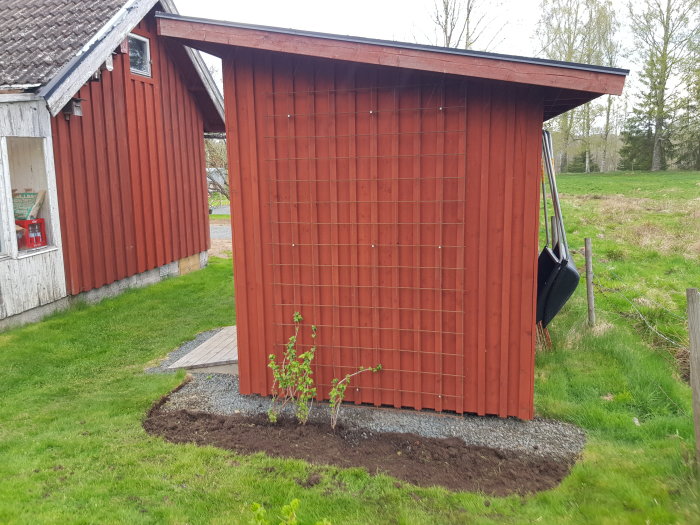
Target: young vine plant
[[337, 393], [293, 381]]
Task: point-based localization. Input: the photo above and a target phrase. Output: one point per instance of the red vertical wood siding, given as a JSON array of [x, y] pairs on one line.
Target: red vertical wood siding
[[131, 173], [397, 211]]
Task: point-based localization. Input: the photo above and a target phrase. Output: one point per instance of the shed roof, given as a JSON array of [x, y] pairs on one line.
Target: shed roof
[[37, 37], [54, 46], [566, 84]]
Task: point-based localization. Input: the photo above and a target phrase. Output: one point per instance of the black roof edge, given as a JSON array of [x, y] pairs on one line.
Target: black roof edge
[[403, 45]]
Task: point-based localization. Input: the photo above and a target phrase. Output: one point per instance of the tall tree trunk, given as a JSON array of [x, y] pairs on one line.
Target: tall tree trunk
[[566, 122], [587, 136], [606, 135], [657, 154]]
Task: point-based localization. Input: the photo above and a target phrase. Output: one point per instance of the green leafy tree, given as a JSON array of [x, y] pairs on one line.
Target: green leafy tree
[[687, 136], [582, 163], [638, 144], [664, 31]]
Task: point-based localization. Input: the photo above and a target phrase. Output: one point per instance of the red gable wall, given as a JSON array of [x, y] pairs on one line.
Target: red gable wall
[[396, 210], [131, 173]]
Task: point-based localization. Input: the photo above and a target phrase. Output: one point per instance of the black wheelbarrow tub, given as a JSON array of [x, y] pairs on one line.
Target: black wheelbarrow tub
[[557, 279]]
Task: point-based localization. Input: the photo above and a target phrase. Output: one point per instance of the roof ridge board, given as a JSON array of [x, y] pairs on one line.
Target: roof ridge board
[[398, 44]]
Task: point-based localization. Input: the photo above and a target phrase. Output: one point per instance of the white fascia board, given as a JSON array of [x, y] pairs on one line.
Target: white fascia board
[[18, 97]]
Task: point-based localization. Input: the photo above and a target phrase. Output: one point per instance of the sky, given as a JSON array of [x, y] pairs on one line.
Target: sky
[[403, 20]]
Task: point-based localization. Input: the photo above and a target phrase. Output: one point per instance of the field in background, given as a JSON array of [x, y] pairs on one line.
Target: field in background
[[74, 394], [645, 229]]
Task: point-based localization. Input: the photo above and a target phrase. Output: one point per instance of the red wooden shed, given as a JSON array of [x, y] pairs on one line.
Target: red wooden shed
[[389, 192], [102, 128]]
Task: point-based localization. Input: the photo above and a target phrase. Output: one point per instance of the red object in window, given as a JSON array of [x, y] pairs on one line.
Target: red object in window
[[34, 235]]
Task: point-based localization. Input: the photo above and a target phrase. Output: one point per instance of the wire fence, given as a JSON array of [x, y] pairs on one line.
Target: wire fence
[[615, 297], [635, 309], [612, 301]]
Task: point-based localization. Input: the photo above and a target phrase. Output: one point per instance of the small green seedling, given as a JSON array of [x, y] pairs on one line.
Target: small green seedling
[[259, 515], [337, 393], [288, 515]]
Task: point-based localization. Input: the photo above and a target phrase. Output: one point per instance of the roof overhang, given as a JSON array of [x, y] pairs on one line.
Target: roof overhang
[[566, 84], [71, 77], [15, 88], [19, 97]]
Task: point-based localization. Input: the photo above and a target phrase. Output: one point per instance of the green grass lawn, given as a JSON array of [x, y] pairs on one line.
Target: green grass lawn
[[645, 229], [219, 216], [682, 185], [72, 449]]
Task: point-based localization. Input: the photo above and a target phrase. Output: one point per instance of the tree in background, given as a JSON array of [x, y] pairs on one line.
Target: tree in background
[[466, 23], [687, 136], [663, 126], [576, 31], [664, 31], [637, 144], [561, 33], [217, 165], [609, 52], [215, 149], [448, 19], [599, 47], [582, 163]]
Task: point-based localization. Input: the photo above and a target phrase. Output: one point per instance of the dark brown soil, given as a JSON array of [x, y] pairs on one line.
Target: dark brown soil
[[415, 459]]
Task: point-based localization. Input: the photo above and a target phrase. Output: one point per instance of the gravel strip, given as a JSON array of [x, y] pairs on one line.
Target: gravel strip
[[220, 231], [218, 394], [182, 351]]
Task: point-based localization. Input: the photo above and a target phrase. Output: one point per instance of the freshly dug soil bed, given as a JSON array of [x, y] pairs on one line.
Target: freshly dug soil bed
[[419, 460]]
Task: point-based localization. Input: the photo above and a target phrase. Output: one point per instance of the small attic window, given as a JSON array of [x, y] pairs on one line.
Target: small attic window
[[139, 55]]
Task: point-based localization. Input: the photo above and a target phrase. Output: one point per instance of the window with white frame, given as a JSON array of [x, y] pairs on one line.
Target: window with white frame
[[24, 211], [139, 55], [7, 229]]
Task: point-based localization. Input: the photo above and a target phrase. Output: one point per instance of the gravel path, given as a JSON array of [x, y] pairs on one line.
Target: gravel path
[[183, 350], [220, 231], [218, 394]]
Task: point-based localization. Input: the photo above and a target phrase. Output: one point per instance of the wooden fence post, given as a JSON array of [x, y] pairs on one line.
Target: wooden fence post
[[589, 281], [694, 331]]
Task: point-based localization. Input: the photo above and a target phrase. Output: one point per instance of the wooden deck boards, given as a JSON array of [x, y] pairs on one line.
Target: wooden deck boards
[[221, 349]]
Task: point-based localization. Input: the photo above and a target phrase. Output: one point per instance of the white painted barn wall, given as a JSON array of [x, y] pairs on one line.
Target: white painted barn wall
[[28, 280]]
